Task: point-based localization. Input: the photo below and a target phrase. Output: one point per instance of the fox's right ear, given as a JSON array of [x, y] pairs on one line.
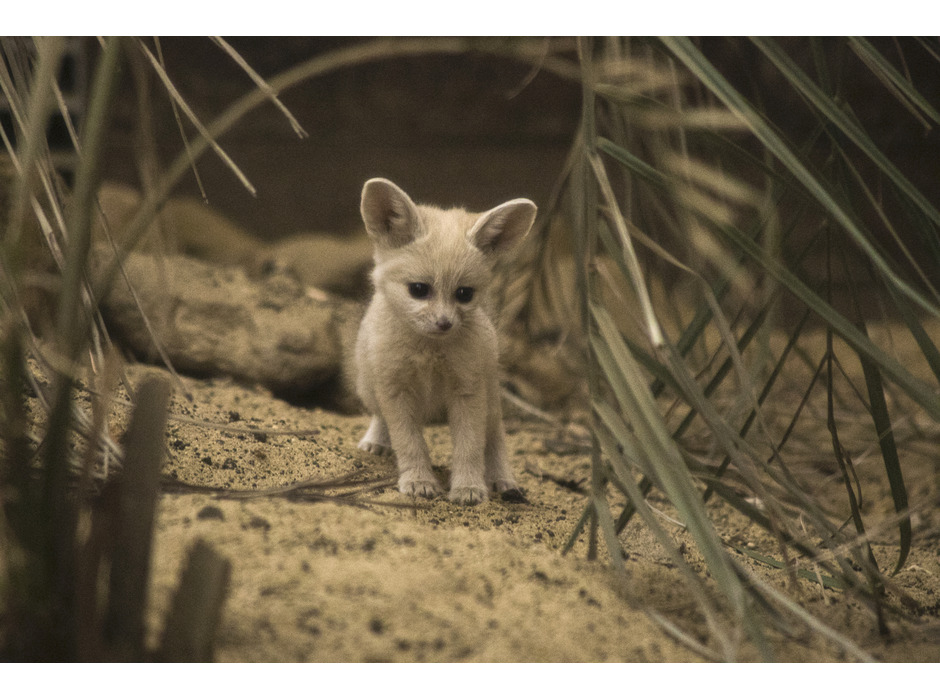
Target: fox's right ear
[[391, 218]]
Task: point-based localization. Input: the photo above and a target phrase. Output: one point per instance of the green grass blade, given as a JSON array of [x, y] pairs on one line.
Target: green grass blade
[[821, 579], [918, 390], [864, 551], [683, 49], [637, 166], [889, 453], [578, 528], [663, 455], [611, 444], [892, 79], [837, 116]]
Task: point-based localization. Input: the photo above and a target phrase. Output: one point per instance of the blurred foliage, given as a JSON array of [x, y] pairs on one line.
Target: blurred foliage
[[714, 234], [75, 539]]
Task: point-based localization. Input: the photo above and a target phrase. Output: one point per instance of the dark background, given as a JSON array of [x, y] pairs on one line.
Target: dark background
[[471, 130]]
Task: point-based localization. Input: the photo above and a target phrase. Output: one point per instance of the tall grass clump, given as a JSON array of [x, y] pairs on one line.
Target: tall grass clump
[[732, 254], [76, 507]]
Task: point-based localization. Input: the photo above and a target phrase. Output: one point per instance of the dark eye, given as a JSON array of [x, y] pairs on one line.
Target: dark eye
[[419, 290], [464, 294]]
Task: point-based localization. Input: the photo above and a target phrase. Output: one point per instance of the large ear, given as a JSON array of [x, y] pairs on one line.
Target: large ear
[[391, 218], [501, 228]]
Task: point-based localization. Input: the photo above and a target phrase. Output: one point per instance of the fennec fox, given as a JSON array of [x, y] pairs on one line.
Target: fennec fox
[[427, 344]]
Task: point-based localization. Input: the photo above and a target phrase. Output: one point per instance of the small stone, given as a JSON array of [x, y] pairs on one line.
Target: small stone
[[210, 513]]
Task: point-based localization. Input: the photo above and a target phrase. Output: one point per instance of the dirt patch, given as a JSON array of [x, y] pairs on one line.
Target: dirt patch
[[322, 581], [393, 579]]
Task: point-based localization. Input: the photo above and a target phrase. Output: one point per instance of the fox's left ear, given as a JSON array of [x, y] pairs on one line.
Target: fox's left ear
[[499, 229]]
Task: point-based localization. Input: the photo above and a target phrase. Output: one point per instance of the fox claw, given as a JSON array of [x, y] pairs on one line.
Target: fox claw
[[428, 488], [468, 495], [374, 447]]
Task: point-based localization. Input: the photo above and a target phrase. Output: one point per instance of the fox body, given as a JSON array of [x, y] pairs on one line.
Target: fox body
[[427, 345]]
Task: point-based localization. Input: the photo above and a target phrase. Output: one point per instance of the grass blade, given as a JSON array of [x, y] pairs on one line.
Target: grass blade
[[893, 80], [136, 509], [695, 61], [611, 444], [662, 455], [835, 115], [822, 580], [197, 607], [636, 165], [262, 85], [194, 120], [889, 453], [918, 390]]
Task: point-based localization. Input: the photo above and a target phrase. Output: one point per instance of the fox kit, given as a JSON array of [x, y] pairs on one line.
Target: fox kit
[[427, 344]]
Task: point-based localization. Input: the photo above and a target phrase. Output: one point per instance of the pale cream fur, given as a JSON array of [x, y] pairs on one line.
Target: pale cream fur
[[430, 354]]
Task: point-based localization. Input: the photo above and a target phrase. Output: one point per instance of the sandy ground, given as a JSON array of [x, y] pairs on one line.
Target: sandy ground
[[391, 579], [322, 581]]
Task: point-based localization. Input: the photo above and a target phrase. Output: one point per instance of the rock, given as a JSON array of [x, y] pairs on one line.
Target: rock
[[184, 225], [212, 319], [338, 264]]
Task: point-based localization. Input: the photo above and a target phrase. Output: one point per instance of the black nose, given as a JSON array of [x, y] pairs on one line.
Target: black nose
[[444, 324]]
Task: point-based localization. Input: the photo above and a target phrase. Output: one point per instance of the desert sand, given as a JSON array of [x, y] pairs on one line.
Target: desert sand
[[378, 576]]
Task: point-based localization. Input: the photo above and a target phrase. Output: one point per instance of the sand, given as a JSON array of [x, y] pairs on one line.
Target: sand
[[393, 579]]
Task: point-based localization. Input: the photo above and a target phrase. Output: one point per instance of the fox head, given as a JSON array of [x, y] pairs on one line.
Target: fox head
[[434, 266]]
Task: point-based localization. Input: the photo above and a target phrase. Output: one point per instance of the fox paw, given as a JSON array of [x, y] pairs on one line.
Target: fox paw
[[468, 495], [428, 488], [374, 447]]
